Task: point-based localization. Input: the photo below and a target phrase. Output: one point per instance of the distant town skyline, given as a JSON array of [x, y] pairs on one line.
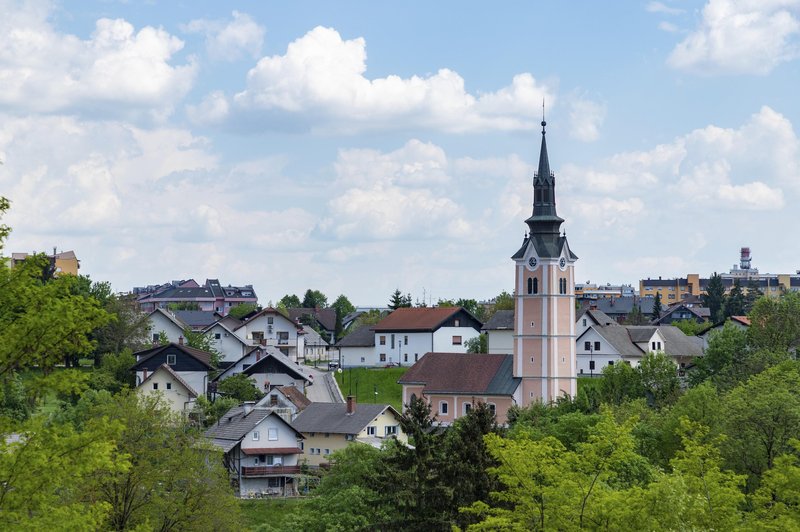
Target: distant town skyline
[[356, 148]]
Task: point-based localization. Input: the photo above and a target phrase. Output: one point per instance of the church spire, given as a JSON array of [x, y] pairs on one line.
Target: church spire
[[544, 219]]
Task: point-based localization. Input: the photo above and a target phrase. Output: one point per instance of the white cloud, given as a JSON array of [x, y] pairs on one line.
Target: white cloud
[[741, 37], [230, 40], [668, 27], [659, 7], [585, 118], [118, 70], [321, 79]]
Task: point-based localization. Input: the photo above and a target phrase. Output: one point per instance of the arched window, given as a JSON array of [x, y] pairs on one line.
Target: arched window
[[530, 285], [535, 285]]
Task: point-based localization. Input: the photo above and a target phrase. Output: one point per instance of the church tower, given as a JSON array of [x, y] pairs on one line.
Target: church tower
[[544, 298]]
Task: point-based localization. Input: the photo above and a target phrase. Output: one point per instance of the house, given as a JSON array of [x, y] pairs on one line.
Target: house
[[591, 317], [260, 449], [230, 346], [190, 364], [315, 347], [500, 332], [61, 263], [357, 347], [684, 311], [323, 319], [605, 345], [328, 427], [162, 320], [167, 383], [197, 320], [742, 322], [286, 401], [619, 307], [268, 327], [267, 366], [211, 297], [452, 383], [408, 333]]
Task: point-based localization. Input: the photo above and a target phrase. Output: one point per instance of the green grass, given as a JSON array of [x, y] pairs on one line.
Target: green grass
[[364, 382], [272, 511]]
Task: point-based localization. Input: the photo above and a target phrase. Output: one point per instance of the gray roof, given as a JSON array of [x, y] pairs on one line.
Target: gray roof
[[640, 333], [333, 417], [677, 343], [624, 304], [313, 337], [624, 338], [619, 339], [197, 318], [362, 337], [235, 424], [500, 320], [599, 317]]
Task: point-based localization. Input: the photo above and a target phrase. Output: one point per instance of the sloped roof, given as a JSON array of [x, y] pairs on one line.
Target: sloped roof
[[325, 316], [202, 356], [417, 318], [619, 339], [640, 333], [678, 344], [235, 424], [286, 362], [295, 396], [744, 320], [501, 320], [599, 317], [197, 318], [262, 312], [624, 304], [479, 373], [313, 337], [174, 375], [364, 336], [333, 417], [623, 338], [171, 317]]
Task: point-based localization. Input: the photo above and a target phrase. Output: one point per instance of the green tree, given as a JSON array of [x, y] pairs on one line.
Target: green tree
[[775, 323], [127, 329], [398, 300], [725, 346], [240, 387], [636, 317], [314, 299], [478, 344], [208, 412], [776, 503], [290, 301], [714, 298], [183, 305], [689, 327], [657, 307], [204, 342], [735, 302], [752, 294], [659, 378], [370, 317], [243, 309], [472, 306], [343, 307], [620, 383]]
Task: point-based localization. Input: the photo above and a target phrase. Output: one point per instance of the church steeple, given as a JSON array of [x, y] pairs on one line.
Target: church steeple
[[544, 220]]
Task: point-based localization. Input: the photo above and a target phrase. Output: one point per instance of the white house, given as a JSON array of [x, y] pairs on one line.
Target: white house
[[356, 348], [162, 320], [271, 328], [280, 371], [408, 333], [315, 347], [261, 450], [229, 344], [500, 332], [591, 317], [167, 384], [191, 365]]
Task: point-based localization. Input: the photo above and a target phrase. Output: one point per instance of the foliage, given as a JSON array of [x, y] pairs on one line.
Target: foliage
[[128, 328], [343, 307], [398, 300], [115, 373], [752, 294], [636, 317], [240, 387], [290, 301], [775, 323], [620, 383], [209, 412], [370, 317], [689, 327], [241, 310], [714, 298], [659, 378], [735, 301], [478, 344], [204, 342], [776, 503], [314, 299], [656, 307], [183, 305]]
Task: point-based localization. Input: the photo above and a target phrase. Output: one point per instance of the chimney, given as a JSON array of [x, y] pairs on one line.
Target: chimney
[[248, 406], [351, 405], [180, 340], [144, 374]]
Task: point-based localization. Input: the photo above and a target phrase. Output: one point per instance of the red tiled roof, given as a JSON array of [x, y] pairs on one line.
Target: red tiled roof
[[273, 450], [457, 372], [416, 319], [295, 396], [744, 320]]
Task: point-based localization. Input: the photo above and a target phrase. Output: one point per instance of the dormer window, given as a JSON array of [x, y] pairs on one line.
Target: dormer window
[[171, 360]]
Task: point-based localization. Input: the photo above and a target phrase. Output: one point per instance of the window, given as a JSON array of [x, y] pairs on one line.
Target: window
[[591, 364], [530, 285], [217, 336], [610, 362], [270, 320], [535, 285], [584, 322], [327, 434], [416, 357], [171, 359], [456, 323], [443, 407], [597, 346], [531, 360], [391, 430], [405, 357], [283, 337], [273, 400], [492, 408], [382, 340], [392, 340], [467, 408], [302, 446], [371, 430], [362, 359], [383, 357], [327, 451], [659, 345], [155, 338], [653, 346], [155, 386], [169, 386], [405, 340], [272, 434], [587, 346], [456, 340], [256, 435]]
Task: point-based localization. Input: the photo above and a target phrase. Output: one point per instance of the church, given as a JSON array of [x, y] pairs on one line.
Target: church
[[542, 366]]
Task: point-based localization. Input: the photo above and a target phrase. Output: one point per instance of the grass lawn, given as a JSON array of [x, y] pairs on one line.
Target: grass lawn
[[365, 381], [273, 511]]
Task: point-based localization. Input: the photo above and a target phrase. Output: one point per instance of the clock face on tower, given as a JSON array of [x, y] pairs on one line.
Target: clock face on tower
[[562, 263], [532, 262]]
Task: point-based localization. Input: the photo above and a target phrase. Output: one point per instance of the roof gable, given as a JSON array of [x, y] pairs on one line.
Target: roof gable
[[164, 368], [273, 362], [333, 417], [478, 373], [196, 357], [424, 319]]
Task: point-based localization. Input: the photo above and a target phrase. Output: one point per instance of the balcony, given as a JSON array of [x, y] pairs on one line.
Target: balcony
[[270, 471]]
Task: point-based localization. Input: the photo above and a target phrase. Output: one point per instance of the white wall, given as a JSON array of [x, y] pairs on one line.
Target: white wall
[[177, 397], [601, 357], [443, 339], [159, 322], [351, 356], [405, 347], [500, 342], [286, 438], [231, 346]]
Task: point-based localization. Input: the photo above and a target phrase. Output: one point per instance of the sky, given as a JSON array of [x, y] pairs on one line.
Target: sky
[[357, 147]]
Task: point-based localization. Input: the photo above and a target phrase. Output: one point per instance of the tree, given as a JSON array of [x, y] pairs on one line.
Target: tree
[[636, 316], [657, 307], [240, 387], [659, 378], [243, 309], [343, 307], [753, 293], [290, 301], [472, 306], [314, 299], [478, 344], [370, 317], [714, 298], [127, 329], [620, 383], [735, 302], [203, 342], [775, 323], [777, 502], [689, 327], [398, 300], [184, 305]]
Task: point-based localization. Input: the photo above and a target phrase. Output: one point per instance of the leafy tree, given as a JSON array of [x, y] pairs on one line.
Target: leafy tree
[[725, 346], [636, 317], [504, 301], [115, 373], [735, 301], [775, 323], [343, 307], [776, 503], [689, 327], [183, 305], [290, 301], [314, 299], [752, 294], [203, 342], [659, 378], [240, 387], [398, 300], [127, 329], [714, 298], [241, 310], [472, 306], [620, 383], [657, 307], [209, 412], [370, 317], [478, 344]]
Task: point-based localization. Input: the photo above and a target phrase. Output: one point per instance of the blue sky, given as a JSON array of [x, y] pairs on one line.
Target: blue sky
[[356, 147]]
